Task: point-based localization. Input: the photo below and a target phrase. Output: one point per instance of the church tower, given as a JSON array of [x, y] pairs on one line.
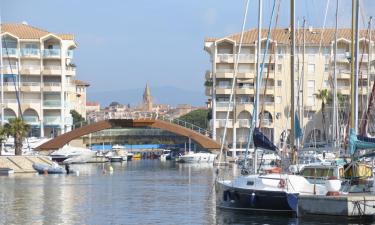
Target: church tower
[[147, 99]]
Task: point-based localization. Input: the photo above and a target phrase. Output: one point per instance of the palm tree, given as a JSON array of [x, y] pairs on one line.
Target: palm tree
[[3, 136], [323, 96], [18, 129]]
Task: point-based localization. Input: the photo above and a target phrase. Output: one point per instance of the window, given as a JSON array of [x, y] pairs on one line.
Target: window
[[279, 83], [278, 99], [311, 68], [326, 67], [279, 67], [326, 83], [311, 58], [250, 182]]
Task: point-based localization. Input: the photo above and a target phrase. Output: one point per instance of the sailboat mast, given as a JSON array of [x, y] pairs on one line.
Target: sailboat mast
[[354, 66], [369, 61], [1, 75], [292, 52], [335, 119]]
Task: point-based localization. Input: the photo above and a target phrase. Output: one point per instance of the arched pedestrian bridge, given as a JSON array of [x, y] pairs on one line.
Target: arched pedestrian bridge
[[198, 135]]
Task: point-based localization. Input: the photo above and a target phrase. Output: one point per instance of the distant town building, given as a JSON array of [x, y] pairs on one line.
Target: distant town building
[[38, 64], [92, 107]]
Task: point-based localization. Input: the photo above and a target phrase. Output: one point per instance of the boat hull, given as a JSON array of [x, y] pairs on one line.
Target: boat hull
[[228, 197]]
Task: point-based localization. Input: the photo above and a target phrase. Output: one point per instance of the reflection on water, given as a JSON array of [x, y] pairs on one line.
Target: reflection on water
[[137, 192]]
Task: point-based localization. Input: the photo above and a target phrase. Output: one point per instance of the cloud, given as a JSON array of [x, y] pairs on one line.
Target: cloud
[[210, 16]]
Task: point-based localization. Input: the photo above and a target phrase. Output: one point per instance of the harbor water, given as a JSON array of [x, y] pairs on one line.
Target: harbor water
[[137, 192]]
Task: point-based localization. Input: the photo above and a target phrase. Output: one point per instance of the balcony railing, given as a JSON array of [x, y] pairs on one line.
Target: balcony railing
[[8, 101], [224, 104], [246, 57], [225, 57], [11, 68], [30, 52], [222, 122], [51, 52], [246, 86], [10, 52], [243, 122], [52, 120], [266, 122], [224, 71], [28, 84], [9, 117], [52, 103], [50, 67], [30, 67], [31, 119], [51, 84], [244, 102], [31, 101], [8, 84]]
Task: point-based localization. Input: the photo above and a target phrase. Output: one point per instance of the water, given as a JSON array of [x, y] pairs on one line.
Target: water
[[138, 192]]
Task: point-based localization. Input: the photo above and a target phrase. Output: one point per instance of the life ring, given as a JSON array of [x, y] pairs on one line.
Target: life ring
[[282, 184]]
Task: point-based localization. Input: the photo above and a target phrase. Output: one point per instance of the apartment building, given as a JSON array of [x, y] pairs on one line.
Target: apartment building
[[38, 69], [314, 72]]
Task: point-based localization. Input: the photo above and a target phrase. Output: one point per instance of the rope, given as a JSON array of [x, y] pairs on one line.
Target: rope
[[234, 81]]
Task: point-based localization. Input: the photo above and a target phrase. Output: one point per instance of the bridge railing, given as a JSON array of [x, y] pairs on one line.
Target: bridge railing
[[151, 116]]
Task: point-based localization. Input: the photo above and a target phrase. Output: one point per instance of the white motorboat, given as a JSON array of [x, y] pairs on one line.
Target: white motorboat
[[118, 154], [199, 157], [265, 192], [69, 152], [167, 155], [82, 158]]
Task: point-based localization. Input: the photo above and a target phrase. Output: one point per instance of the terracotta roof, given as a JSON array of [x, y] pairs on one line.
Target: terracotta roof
[[81, 83], [92, 104], [24, 31], [282, 35]]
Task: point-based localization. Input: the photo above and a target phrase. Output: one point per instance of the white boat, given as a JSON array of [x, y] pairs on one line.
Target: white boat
[[118, 154], [199, 157], [82, 158], [69, 152], [167, 155], [265, 192]]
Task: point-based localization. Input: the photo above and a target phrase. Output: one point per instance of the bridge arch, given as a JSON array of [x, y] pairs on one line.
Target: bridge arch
[[61, 140]]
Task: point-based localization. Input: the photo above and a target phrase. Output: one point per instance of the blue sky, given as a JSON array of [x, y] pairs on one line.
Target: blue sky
[[124, 44]]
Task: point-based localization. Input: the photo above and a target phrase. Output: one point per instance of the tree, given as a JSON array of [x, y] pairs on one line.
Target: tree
[[323, 96], [18, 129], [77, 118], [114, 104], [197, 117], [3, 137]]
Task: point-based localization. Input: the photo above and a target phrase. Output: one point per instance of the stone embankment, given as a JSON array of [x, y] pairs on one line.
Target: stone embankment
[[23, 164]]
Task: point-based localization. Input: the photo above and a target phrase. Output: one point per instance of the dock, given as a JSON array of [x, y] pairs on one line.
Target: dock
[[352, 205], [23, 164]]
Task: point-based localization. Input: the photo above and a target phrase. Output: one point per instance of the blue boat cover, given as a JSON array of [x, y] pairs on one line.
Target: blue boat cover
[[357, 142], [261, 141]]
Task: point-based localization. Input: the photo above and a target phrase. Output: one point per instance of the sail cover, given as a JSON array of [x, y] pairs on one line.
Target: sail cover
[[261, 141], [357, 142]]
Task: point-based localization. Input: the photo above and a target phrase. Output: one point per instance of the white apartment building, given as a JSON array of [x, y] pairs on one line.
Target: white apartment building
[[38, 67], [314, 71]]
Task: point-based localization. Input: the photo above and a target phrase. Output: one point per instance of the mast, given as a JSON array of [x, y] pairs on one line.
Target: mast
[[354, 67], [292, 52], [257, 83], [335, 119], [1, 77], [369, 61]]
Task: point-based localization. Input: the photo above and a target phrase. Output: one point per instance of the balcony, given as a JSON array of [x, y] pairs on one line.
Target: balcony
[[246, 58], [10, 69], [52, 120], [30, 69], [69, 54], [245, 74], [220, 123], [51, 70], [7, 118], [10, 52], [223, 90], [224, 73], [51, 53], [30, 52], [343, 74], [70, 71], [208, 75], [9, 86], [223, 106], [245, 90], [33, 120], [52, 86], [56, 103], [341, 58], [30, 86], [243, 123], [224, 58], [266, 122]]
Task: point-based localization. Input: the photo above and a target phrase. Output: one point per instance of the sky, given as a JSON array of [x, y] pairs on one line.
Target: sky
[[122, 44]]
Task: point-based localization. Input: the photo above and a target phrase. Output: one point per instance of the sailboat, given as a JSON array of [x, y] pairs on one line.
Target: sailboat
[[272, 191]]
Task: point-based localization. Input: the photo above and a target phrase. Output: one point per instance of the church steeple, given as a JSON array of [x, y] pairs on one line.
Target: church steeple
[[147, 99]]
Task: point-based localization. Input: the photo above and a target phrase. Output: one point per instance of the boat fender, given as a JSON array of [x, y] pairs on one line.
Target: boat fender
[[253, 199], [282, 184]]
